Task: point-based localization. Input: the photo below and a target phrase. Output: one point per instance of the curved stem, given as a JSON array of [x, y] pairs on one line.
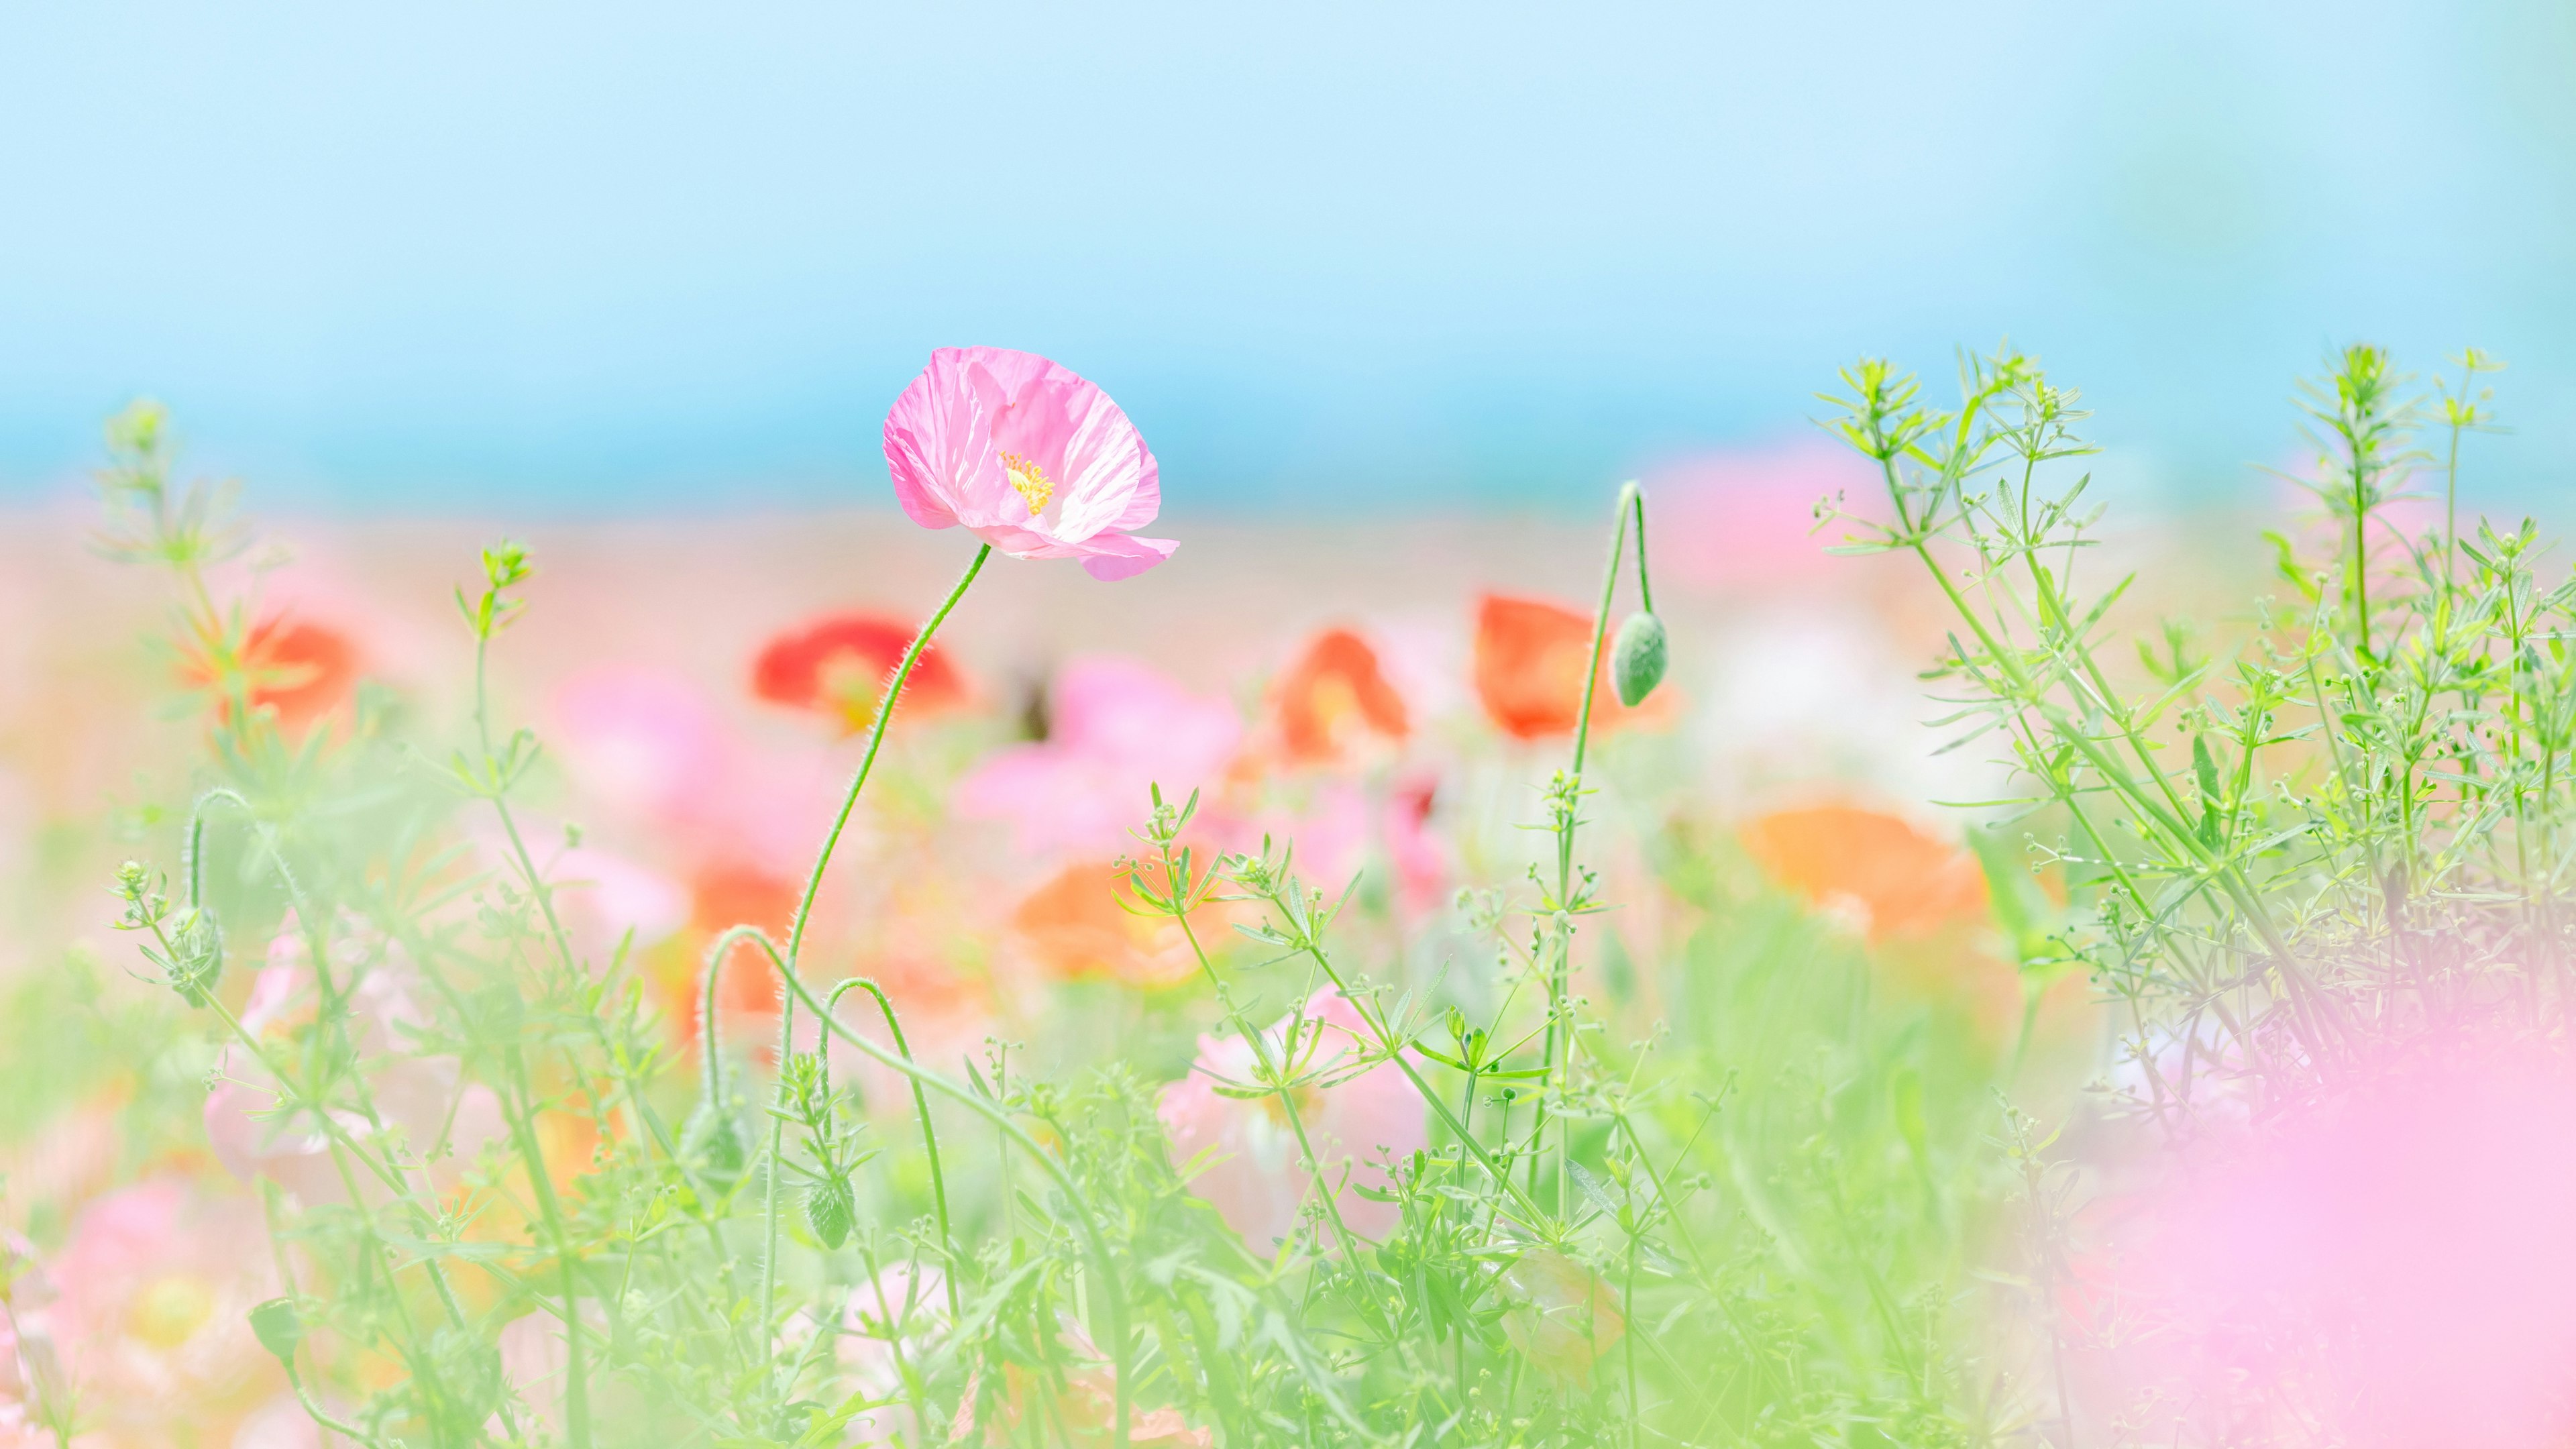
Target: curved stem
[[1086, 1220], [1561, 934], [867, 761], [921, 1109]]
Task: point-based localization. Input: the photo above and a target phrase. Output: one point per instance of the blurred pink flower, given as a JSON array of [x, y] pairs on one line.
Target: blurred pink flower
[[1747, 518], [652, 753], [2391, 1268], [445, 1120], [1340, 828], [157, 1282], [888, 1324], [1355, 1116], [599, 895], [1030, 458], [1117, 727]]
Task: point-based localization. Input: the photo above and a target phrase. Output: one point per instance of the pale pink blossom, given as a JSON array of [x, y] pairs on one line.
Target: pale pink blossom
[[536, 1363], [157, 1282], [2390, 1267], [1028, 457], [444, 1120], [1357, 1115], [602, 898], [655, 757], [1344, 831], [1747, 518], [1117, 727], [889, 1324]]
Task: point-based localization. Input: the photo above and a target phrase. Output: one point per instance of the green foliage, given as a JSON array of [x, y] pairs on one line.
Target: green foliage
[[1775, 1199]]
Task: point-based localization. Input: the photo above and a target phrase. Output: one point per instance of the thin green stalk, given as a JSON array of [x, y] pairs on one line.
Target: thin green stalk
[[867, 762], [1561, 931], [929, 1134], [1086, 1219]]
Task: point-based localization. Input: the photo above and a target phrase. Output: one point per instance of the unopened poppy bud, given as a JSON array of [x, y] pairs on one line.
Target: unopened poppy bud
[[1637, 659], [279, 1328], [714, 1138], [831, 1209]]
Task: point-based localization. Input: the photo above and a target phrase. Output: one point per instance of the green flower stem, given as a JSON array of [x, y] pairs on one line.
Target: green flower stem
[[921, 1109], [1086, 1219], [1632, 501], [788, 962], [867, 762]]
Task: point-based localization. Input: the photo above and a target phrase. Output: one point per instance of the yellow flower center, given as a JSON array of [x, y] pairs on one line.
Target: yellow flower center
[[1030, 480], [170, 1309]]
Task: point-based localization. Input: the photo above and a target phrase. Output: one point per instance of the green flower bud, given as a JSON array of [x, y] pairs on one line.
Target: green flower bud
[[279, 1328], [714, 1138], [831, 1210], [1637, 658]]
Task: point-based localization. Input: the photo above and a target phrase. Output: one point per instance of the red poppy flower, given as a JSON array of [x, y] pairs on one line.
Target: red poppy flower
[[837, 665], [302, 671], [1890, 878], [1334, 692], [1529, 668]]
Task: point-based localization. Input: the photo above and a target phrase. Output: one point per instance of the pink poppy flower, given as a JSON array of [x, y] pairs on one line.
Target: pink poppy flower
[[657, 760], [157, 1282], [1028, 457], [1356, 1117], [444, 1120], [1117, 728], [889, 1324]]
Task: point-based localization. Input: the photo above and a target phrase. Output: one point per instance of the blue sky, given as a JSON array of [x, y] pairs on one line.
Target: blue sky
[[619, 257]]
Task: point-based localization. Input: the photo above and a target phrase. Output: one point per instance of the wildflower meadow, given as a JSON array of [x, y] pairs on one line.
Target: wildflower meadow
[[1881, 941]]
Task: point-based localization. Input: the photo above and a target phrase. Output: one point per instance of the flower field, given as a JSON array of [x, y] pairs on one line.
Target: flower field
[[1856, 943]]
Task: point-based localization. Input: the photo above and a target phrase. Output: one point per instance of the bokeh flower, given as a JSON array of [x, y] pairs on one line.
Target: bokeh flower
[[1077, 926], [445, 1120], [297, 668], [1868, 868], [1530, 657], [1563, 1317], [1356, 1113], [1084, 1402], [1333, 699], [890, 1324], [1116, 728], [157, 1282], [838, 665], [1028, 457]]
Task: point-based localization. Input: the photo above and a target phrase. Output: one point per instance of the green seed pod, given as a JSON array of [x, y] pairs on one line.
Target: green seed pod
[[714, 1139], [1637, 658], [831, 1209], [279, 1328], [198, 965]]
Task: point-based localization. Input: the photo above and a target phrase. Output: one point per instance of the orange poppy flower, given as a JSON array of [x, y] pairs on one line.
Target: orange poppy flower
[[300, 670], [838, 665], [720, 897], [1332, 694], [1529, 668], [1888, 877], [1077, 927]]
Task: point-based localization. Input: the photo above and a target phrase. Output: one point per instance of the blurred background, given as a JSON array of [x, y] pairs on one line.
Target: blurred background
[[596, 259]]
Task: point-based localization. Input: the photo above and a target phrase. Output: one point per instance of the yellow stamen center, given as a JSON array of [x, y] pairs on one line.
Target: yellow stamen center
[[1030, 480], [169, 1309]]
